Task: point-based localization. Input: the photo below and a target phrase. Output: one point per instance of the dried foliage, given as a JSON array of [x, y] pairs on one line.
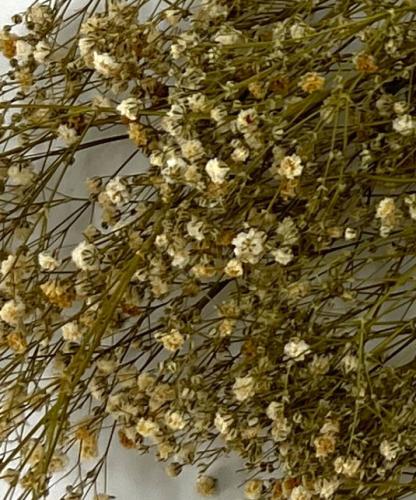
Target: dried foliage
[[251, 290]]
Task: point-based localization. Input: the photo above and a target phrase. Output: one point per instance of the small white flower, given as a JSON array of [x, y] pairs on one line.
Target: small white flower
[[8, 265], [117, 192], [177, 49], [147, 428], [385, 208], [129, 108], [240, 154], [389, 450], [400, 107], [67, 134], [300, 493], [274, 410], [389, 215], [180, 256], [194, 229], [193, 149], [283, 255], [218, 114], [161, 241], [327, 488], [47, 262], [288, 231], [244, 388], [350, 363], [247, 121], [41, 52], [297, 349], [71, 332], [253, 489], [281, 429], [20, 176], [216, 173], [234, 268], [12, 311], [350, 234], [105, 64], [249, 246], [347, 466], [411, 203], [86, 46], [290, 167], [172, 16], [172, 341], [175, 421], [198, 102], [85, 256], [404, 125], [297, 31], [23, 52], [223, 423], [206, 486]]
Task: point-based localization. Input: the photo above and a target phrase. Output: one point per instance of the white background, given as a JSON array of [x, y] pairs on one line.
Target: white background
[[131, 476]]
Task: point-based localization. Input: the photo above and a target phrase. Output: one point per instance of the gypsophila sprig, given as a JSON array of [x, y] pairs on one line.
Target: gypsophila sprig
[[243, 282]]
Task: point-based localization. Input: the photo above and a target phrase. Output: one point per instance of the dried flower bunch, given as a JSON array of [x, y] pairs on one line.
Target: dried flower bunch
[[252, 289]]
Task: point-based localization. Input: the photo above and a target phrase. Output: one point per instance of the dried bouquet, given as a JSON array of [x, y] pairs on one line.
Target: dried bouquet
[[246, 282]]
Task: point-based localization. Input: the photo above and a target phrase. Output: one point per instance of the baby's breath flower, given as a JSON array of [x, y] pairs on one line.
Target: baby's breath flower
[[194, 229], [411, 203], [85, 257], [247, 121], [297, 349], [68, 135], [41, 52], [105, 64], [311, 82], [12, 312], [327, 488], [223, 423], [281, 428], [129, 108], [244, 388], [283, 255], [172, 341], [117, 192], [216, 172], [253, 489], [388, 213], [297, 31], [290, 167], [349, 466], [300, 493], [404, 125], [350, 363], [175, 421], [147, 428], [248, 246], [71, 332], [350, 233], [206, 485], [233, 269], [47, 262], [324, 445], [23, 52], [389, 450], [274, 410], [20, 175]]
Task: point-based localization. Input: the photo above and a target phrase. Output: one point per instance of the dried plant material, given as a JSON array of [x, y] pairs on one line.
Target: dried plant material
[[244, 280]]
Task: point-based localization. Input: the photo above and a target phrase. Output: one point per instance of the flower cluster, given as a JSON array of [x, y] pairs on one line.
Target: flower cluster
[[250, 286]]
